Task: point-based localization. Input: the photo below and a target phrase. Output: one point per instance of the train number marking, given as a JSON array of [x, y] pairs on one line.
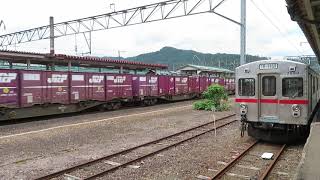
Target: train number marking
[[268, 66], [7, 77]]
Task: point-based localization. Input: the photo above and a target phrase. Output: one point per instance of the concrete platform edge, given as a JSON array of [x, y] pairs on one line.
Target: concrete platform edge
[[308, 167]]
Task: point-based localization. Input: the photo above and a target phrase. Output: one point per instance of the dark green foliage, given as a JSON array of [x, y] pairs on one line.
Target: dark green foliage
[[215, 98], [204, 104]]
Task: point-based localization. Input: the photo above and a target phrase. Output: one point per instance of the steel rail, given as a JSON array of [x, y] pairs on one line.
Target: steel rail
[[270, 167], [153, 153], [231, 164], [53, 175], [234, 161]]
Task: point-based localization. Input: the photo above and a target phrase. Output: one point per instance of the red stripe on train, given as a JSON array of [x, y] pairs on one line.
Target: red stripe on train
[[246, 100], [287, 101], [272, 101]]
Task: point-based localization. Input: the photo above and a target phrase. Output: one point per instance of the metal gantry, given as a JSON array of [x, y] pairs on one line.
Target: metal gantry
[[143, 14]]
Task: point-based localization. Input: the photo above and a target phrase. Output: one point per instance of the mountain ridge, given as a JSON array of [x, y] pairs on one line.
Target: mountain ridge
[[174, 58]]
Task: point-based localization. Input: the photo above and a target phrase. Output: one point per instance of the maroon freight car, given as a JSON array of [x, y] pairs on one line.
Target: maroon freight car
[[28, 93], [119, 87], [194, 85], [78, 88], [9, 89], [181, 85], [166, 85]]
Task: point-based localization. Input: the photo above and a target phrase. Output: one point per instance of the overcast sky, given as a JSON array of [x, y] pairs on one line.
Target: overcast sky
[[205, 33]]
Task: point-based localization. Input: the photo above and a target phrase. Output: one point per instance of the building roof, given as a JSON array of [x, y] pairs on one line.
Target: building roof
[[63, 59], [307, 15], [207, 68]]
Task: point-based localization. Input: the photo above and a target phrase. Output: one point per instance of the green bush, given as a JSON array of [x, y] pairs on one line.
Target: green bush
[[215, 97], [204, 104]]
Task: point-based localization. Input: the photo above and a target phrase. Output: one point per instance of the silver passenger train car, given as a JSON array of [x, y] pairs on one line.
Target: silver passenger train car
[[276, 99]]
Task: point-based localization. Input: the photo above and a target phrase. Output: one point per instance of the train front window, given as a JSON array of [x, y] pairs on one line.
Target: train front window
[[246, 87], [292, 87], [269, 86]]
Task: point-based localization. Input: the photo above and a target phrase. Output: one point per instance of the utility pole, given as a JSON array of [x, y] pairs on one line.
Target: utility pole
[[243, 33], [51, 35], [2, 24], [119, 56], [121, 67]]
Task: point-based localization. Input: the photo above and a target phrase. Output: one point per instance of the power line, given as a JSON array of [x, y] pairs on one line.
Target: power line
[[283, 34]]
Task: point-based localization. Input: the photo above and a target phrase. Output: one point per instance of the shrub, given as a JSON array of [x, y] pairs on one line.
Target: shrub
[[204, 104], [215, 97]]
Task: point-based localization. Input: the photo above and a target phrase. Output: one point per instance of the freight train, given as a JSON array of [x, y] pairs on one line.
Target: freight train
[[277, 99], [30, 93]]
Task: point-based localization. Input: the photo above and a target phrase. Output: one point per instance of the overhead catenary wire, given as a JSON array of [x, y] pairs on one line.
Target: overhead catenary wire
[[278, 29]]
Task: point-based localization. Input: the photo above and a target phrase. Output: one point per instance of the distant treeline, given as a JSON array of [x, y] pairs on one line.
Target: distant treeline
[[175, 58]]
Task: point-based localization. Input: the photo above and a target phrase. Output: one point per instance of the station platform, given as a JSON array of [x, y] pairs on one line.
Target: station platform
[[309, 167]]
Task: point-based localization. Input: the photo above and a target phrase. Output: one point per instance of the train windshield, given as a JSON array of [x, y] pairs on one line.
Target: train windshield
[[292, 87], [269, 85], [246, 87]]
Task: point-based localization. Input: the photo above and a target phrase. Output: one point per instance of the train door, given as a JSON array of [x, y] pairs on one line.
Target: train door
[[269, 92]]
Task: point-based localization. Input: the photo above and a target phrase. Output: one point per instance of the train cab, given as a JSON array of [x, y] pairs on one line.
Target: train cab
[[275, 98]]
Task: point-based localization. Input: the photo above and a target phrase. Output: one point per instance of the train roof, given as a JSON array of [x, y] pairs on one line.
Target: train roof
[[272, 61]]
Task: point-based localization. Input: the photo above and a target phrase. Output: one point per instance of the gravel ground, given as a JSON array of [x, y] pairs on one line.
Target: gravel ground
[[31, 155], [203, 157], [190, 160], [288, 162], [25, 125]]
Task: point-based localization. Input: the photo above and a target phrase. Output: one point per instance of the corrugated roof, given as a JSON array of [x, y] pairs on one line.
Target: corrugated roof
[[209, 68], [306, 14], [108, 60], [44, 57]]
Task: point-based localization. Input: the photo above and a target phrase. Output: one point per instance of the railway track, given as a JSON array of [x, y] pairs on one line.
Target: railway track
[[110, 163], [262, 168]]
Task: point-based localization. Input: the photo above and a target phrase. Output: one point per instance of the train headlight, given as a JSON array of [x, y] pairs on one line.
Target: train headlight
[[243, 109], [296, 110]]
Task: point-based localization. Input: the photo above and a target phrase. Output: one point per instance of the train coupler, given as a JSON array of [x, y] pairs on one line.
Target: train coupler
[[243, 127]]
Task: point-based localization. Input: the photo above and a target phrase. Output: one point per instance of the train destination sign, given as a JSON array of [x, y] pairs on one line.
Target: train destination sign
[[268, 66]]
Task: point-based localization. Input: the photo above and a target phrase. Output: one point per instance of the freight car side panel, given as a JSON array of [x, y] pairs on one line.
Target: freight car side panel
[[214, 80], [163, 85], [57, 87], [78, 90], [227, 84], [181, 85], [152, 86], [194, 85], [95, 86], [172, 85], [9, 88], [118, 86], [135, 85], [126, 88], [140, 86], [204, 82], [221, 82], [32, 88]]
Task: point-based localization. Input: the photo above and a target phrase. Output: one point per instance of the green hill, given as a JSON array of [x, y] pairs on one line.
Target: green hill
[[177, 57]]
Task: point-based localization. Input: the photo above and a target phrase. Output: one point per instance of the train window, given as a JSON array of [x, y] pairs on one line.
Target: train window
[[292, 87], [313, 84], [246, 87], [269, 86]]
